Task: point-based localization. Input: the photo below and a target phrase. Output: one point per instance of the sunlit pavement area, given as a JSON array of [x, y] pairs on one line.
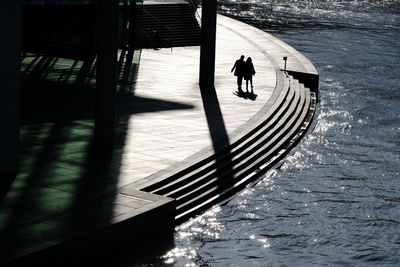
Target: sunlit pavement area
[[161, 121]]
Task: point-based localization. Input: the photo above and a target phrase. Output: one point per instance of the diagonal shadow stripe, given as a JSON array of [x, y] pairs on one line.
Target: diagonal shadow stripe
[[218, 132]]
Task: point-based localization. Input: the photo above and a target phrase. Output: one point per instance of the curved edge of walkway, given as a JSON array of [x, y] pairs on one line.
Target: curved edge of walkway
[[275, 49], [188, 173]]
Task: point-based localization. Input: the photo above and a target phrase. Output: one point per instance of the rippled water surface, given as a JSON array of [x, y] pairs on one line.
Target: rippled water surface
[[336, 198]]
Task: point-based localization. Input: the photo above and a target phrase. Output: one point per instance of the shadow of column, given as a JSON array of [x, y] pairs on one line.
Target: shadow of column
[[218, 133]]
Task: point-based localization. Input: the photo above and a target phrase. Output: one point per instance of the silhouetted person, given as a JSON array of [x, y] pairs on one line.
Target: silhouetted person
[[248, 74], [239, 68]]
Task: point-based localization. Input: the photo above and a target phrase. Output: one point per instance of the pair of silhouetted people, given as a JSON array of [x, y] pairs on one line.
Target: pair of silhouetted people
[[244, 69]]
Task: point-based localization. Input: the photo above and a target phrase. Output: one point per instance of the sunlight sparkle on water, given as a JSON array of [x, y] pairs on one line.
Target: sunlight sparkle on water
[[205, 225], [252, 215], [171, 255], [265, 243]]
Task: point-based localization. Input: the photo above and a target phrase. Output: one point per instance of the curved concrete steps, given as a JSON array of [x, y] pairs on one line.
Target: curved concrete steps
[[220, 174], [236, 152]]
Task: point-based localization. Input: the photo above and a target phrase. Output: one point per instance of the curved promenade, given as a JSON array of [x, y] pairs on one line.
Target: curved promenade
[[236, 138], [183, 150]]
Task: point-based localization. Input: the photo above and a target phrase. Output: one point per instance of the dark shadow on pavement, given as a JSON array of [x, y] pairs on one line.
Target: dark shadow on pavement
[[5, 183], [59, 169], [240, 94], [218, 133], [48, 101], [251, 96], [246, 95]]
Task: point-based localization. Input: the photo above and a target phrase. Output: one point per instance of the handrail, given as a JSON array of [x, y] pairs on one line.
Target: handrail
[[195, 4], [147, 12]]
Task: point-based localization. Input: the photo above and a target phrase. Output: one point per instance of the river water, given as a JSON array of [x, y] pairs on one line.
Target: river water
[[335, 200]]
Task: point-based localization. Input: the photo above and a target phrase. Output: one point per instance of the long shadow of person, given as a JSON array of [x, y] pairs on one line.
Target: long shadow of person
[[241, 94], [251, 95]]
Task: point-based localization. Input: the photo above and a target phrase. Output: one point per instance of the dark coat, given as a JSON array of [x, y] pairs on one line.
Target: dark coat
[[239, 67], [249, 71]]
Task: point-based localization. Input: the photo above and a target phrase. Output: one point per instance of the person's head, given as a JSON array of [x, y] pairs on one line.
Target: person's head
[[248, 60], [241, 57]]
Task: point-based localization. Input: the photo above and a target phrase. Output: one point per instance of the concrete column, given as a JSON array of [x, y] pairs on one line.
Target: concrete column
[[207, 49], [10, 56], [106, 79]]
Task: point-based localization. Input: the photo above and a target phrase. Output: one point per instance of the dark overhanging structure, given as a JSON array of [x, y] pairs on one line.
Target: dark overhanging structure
[[106, 77], [106, 41], [10, 53]]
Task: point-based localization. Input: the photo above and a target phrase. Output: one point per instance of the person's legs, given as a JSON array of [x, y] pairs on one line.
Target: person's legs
[[251, 84], [239, 82], [247, 85]]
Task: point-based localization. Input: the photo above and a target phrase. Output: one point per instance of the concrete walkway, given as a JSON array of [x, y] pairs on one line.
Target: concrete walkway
[[162, 121], [156, 140]]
